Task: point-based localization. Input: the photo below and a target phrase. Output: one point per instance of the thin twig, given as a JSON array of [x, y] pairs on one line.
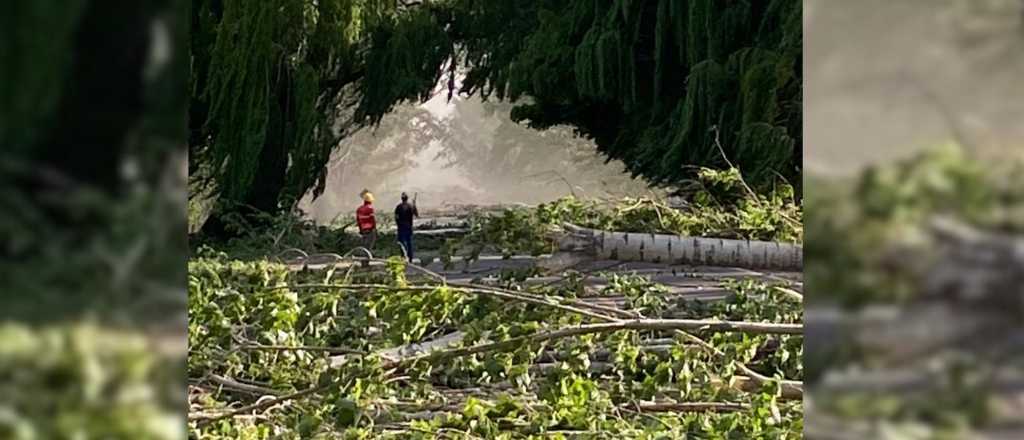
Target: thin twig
[[725, 157], [204, 418], [547, 300], [691, 406], [234, 384], [331, 350], [790, 293], [750, 191]]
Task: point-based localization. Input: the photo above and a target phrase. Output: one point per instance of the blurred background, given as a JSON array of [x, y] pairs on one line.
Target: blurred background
[[92, 230], [915, 218]]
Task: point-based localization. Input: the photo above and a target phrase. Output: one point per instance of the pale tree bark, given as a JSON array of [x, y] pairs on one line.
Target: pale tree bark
[[675, 249]]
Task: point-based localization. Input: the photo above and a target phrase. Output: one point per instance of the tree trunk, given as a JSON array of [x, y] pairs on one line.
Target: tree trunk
[[675, 249], [104, 96], [265, 192], [263, 196]]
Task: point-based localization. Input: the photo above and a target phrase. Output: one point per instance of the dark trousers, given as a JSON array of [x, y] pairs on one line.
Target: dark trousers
[[369, 238], [405, 239]]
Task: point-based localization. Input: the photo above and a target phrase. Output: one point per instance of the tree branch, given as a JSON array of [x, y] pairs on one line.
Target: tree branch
[[790, 388], [639, 324], [527, 298], [330, 350], [234, 384], [205, 418]]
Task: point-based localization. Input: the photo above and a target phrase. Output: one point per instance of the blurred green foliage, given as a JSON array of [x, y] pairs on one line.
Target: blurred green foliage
[[92, 244], [869, 245], [863, 233], [92, 198], [84, 382]]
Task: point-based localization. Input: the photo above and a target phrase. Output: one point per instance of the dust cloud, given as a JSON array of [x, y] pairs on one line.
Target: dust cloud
[[887, 78], [464, 152]]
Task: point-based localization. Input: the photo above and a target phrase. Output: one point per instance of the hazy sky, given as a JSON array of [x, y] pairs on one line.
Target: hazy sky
[[884, 78], [438, 185]]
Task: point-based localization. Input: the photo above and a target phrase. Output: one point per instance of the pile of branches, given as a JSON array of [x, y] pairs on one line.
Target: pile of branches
[[717, 204], [404, 353]]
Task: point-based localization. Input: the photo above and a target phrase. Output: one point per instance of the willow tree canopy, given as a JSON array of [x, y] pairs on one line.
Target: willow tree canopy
[[654, 82], [663, 85], [268, 78]]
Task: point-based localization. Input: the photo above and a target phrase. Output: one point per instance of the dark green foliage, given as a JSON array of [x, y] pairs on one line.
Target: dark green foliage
[[405, 55], [89, 90], [666, 86], [277, 85], [84, 87], [268, 81], [657, 84], [90, 123], [34, 69]]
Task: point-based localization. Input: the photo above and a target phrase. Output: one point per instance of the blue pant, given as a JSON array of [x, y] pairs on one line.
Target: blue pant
[[405, 239]]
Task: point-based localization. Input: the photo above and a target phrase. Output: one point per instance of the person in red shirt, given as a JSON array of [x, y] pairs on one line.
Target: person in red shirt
[[366, 221]]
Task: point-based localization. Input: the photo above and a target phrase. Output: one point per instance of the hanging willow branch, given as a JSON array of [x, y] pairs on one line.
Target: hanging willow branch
[[647, 80], [271, 74]]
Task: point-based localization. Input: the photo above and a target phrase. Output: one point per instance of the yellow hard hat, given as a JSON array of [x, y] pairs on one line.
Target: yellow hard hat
[[368, 196]]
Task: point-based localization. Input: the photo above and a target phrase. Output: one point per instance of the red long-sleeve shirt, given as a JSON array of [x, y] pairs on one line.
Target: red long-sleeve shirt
[[365, 219]]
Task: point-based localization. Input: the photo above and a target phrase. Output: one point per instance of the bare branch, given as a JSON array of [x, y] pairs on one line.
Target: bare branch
[[638, 324]]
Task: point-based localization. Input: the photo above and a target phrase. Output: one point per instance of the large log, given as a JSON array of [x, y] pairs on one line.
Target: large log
[[441, 233], [579, 243]]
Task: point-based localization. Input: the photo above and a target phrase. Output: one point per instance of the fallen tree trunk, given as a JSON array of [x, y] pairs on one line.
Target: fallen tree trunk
[[441, 233], [410, 350], [674, 249], [440, 222]]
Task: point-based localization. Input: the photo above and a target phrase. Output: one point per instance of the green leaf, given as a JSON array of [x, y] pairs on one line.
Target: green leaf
[[346, 413]]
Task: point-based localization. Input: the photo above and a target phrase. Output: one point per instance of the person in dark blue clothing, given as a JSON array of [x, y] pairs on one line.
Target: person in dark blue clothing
[[404, 213]]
